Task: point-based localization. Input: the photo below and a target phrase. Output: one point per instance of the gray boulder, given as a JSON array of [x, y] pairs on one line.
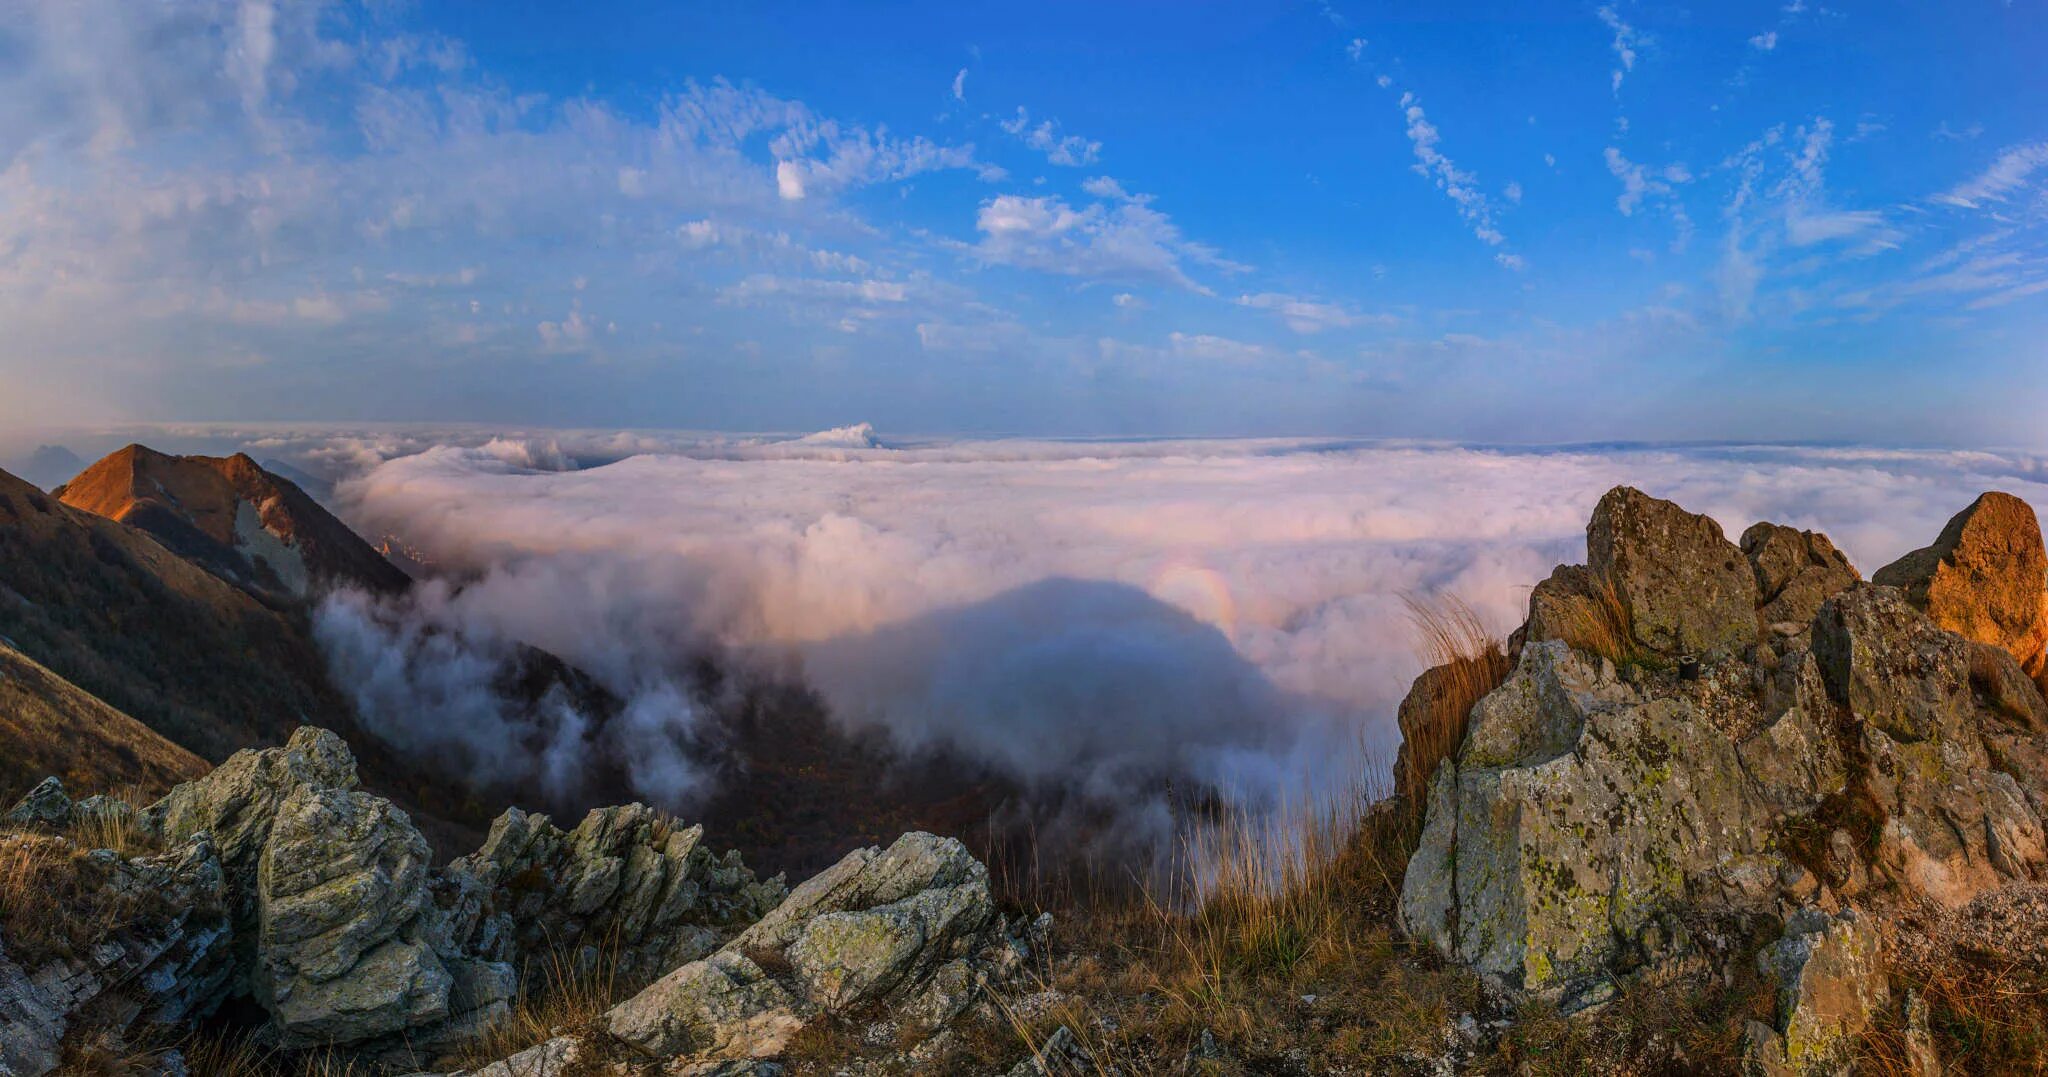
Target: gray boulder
[[881, 927], [1951, 825], [340, 888], [1584, 815], [45, 805], [1795, 571], [1687, 588]]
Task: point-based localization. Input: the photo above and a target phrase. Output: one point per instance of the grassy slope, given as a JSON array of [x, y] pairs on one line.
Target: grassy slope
[[49, 726]]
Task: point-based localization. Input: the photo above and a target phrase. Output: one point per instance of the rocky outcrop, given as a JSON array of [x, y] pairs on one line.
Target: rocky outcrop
[[1686, 587], [342, 952], [627, 885], [1796, 571], [317, 902], [164, 959], [1596, 821], [1586, 819], [911, 927], [1985, 578]]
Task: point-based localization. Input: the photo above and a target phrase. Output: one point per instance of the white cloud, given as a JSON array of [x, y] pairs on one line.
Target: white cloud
[[1356, 48], [960, 85], [1127, 301], [2013, 168], [1460, 186], [1311, 316], [1071, 151], [1082, 609], [1765, 41], [1126, 241], [789, 180], [1626, 41]]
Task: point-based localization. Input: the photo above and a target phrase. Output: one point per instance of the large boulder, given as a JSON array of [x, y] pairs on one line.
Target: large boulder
[[1597, 820], [1586, 818], [1950, 825], [627, 886], [912, 926], [237, 802], [1985, 578], [327, 887], [1795, 571], [1687, 588], [341, 947]]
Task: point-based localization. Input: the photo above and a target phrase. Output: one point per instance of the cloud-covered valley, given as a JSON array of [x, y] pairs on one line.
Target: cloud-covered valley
[[1099, 613]]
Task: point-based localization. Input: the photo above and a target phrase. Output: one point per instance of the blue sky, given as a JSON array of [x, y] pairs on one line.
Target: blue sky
[[1511, 222]]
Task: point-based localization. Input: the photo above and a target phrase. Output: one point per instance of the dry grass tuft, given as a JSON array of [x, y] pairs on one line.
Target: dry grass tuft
[[1465, 663], [567, 990], [1984, 1017], [1600, 623], [53, 901]]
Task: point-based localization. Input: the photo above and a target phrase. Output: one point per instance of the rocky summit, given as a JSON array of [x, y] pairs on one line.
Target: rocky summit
[[282, 887], [1708, 753]]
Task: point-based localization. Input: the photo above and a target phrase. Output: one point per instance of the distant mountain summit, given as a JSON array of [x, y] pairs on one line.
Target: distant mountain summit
[[249, 526], [50, 465]]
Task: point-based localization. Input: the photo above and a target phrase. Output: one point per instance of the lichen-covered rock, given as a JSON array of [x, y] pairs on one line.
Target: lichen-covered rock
[[45, 805], [1687, 588], [1985, 578], [237, 801], [342, 955], [626, 877], [1831, 986], [1581, 817], [877, 928], [167, 967], [1795, 571], [1951, 825], [1870, 759]]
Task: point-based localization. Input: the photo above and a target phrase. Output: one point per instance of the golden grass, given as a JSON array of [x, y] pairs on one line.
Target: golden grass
[[1983, 1018], [112, 828], [1465, 663], [1600, 623], [50, 905], [557, 994]]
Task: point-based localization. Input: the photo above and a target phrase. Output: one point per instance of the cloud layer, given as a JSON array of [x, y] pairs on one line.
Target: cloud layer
[[1227, 611]]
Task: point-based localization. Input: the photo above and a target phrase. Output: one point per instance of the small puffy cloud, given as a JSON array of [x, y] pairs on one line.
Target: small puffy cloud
[[1127, 241], [1127, 301], [1356, 48], [1765, 41], [960, 85], [789, 180]]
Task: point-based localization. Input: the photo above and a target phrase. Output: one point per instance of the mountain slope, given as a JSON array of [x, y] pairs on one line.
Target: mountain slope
[[203, 663], [242, 523], [50, 726]]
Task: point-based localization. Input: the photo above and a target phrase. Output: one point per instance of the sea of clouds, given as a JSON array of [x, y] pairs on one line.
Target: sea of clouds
[[1093, 612]]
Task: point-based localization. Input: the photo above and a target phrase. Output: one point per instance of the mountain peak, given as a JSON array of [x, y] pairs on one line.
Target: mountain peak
[[242, 523]]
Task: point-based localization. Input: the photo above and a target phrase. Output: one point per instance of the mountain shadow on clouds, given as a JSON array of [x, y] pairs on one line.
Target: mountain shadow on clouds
[[1089, 684]]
